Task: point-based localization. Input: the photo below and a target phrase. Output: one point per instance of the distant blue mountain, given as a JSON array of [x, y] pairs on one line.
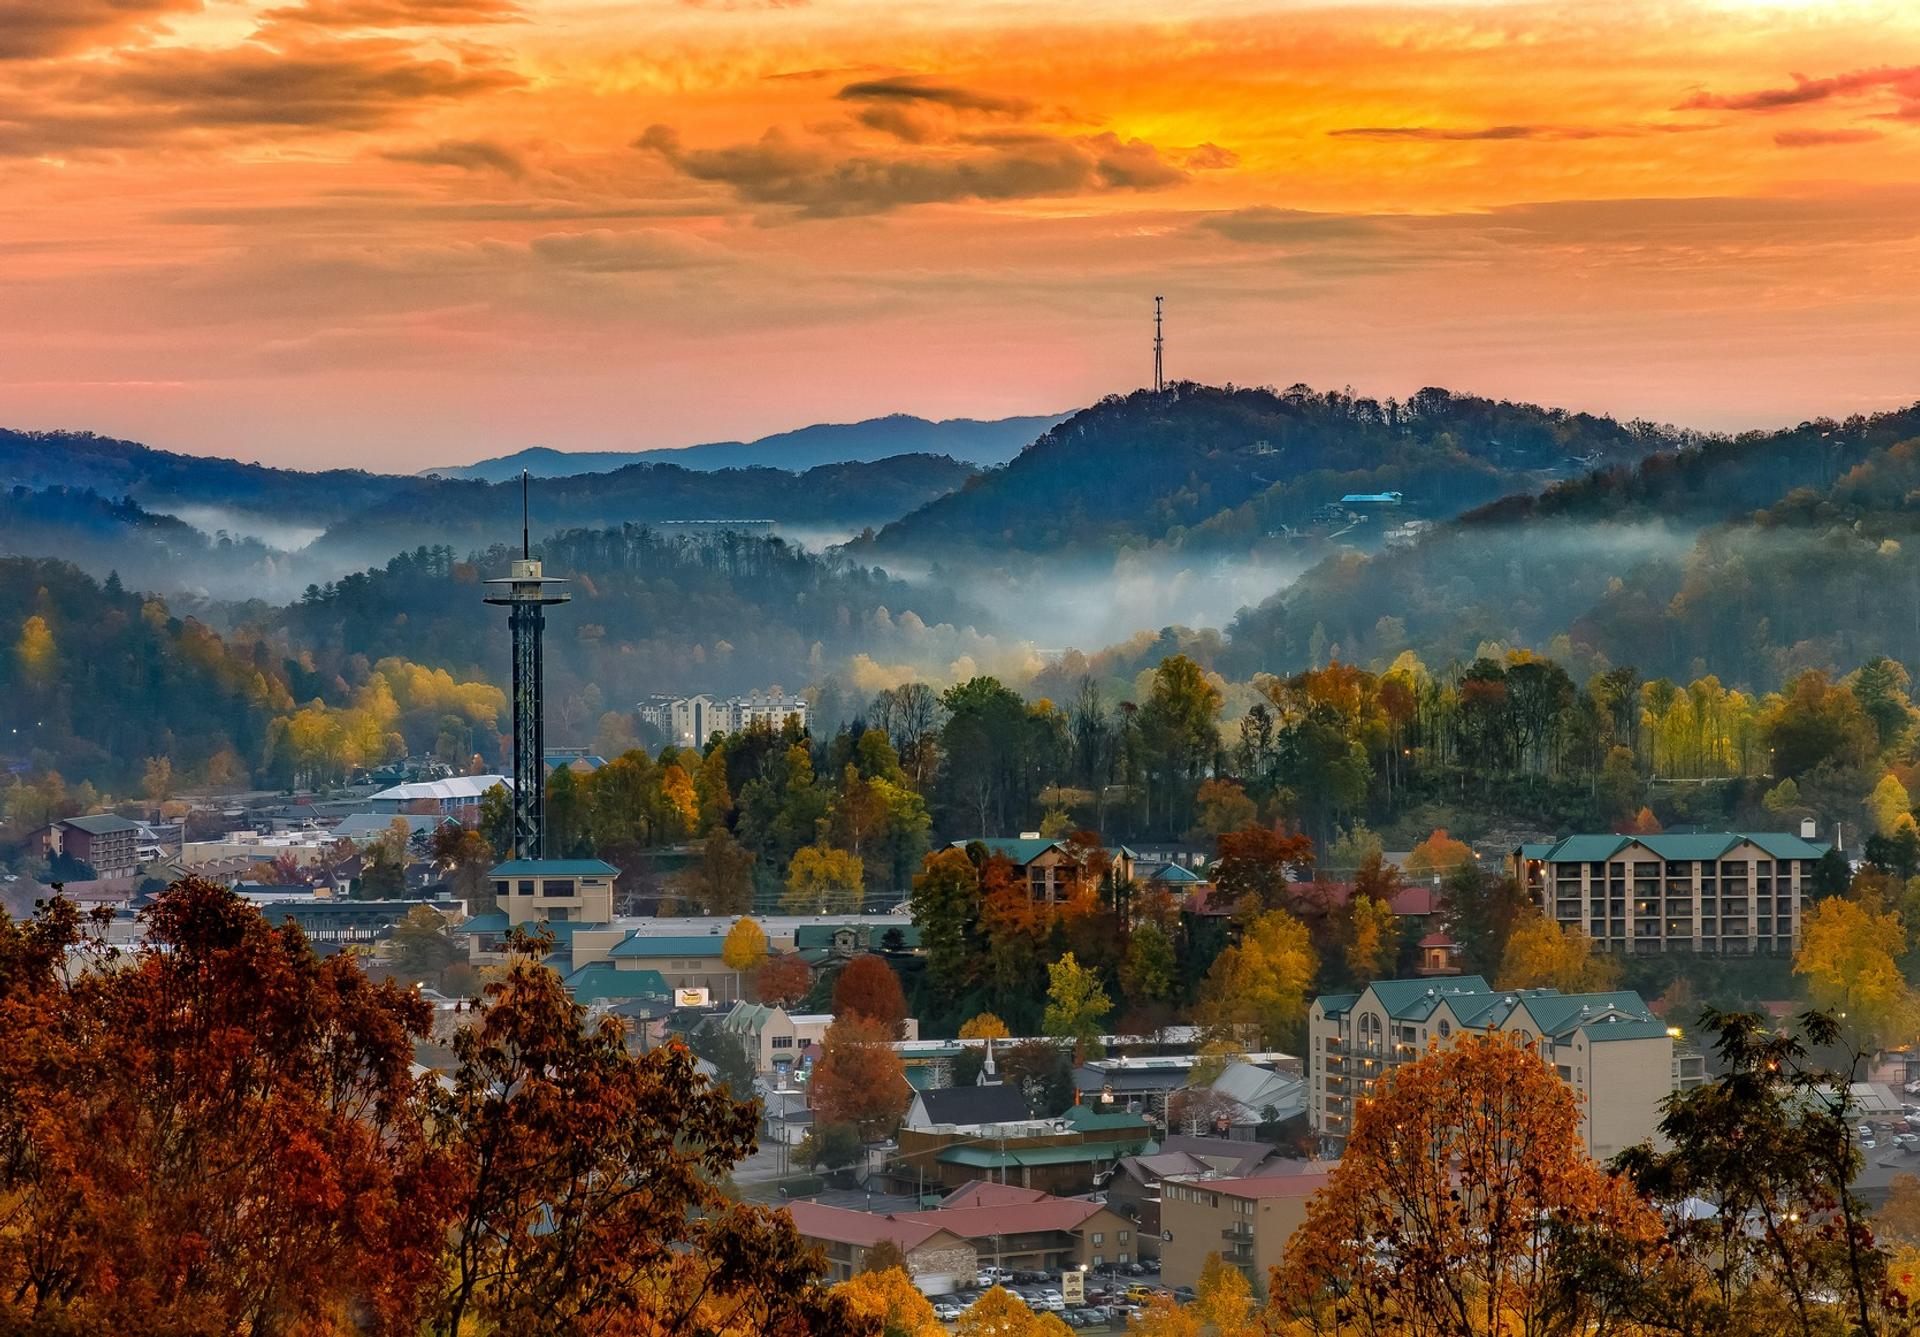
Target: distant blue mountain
[[969, 440]]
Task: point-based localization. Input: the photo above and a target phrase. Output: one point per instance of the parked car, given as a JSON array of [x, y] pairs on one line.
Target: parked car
[[1868, 1144], [1906, 1139], [1140, 1294]]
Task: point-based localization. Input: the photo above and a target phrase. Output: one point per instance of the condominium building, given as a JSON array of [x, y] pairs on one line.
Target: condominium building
[[1245, 1221], [1722, 894], [1608, 1047], [691, 720]]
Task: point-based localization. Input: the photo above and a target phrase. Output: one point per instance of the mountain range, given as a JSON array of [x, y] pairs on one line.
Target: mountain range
[[969, 440]]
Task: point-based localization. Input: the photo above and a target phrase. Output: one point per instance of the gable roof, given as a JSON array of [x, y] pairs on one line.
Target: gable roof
[[554, 868], [1022, 850], [1007, 1218], [986, 1193], [1415, 1000], [602, 981], [1680, 847], [964, 1105], [842, 1225], [1091, 1118]]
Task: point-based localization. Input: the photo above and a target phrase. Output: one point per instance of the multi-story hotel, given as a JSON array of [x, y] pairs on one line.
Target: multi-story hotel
[[1724, 894], [1614, 1053]]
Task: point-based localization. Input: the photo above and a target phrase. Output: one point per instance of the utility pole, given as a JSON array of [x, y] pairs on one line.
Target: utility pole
[[1159, 378]]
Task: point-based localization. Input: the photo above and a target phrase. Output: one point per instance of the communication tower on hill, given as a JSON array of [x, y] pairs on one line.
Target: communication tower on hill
[[1159, 380]]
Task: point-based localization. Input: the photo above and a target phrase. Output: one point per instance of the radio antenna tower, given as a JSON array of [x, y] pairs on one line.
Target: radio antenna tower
[[1159, 381]]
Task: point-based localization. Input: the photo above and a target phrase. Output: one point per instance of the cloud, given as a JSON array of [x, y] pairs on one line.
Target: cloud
[[1462, 134], [472, 155], [1209, 157], [604, 251], [1904, 80], [345, 85], [1808, 139], [396, 13], [822, 183], [910, 89], [33, 29]]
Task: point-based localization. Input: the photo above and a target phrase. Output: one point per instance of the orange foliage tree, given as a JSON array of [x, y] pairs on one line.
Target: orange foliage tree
[[868, 988], [859, 1080], [1465, 1206]]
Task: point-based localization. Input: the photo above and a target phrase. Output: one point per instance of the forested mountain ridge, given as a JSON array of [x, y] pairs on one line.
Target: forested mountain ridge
[[1223, 467], [975, 441], [1750, 558]]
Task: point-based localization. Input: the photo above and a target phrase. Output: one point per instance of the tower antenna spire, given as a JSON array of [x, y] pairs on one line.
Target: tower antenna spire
[[1159, 380], [526, 540], [526, 592]]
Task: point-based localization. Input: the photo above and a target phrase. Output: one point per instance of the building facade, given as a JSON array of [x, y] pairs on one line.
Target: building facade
[[691, 720], [105, 843], [1245, 1221], [1047, 867], [774, 1037], [1722, 894], [1608, 1047]]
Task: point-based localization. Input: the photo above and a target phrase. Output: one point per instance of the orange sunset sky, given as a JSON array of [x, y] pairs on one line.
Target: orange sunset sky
[[398, 233]]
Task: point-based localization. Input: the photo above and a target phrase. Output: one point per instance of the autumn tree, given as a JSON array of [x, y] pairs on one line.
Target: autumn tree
[[1463, 1206], [823, 880], [1543, 953], [1373, 938], [1257, 865], [745, 946], [859, 1080], [420, 947], [867, 987], [1149, 971], [216, 1132], [1257, 988], [1849, 954], [983, 1026], [582, 1178], [723, 875], [944, 907], [883, 1294], [1000, 1313], [1077, 1007], [1438, 854], [783, 980]]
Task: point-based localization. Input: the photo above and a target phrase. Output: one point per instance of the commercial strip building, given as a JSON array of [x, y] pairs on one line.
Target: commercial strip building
[[1066, 1155], [1608, 1047], [1728, 893], [976, 1225], [459, 797]]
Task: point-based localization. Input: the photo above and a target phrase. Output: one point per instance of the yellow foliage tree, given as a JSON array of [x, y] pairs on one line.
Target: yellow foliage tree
[[1223, 1298], [1260, 985], [1850, 954], [889, 1300], [823, 880], [1373, 938], [1438, 853], [34, 649], [745, 947], [984, 1026], [1888, 803], [679, 804], [1543, 954], [999, 1313]]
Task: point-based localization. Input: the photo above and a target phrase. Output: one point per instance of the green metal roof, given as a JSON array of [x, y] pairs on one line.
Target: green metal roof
[[494, 921], [603, 982], [979, 1157], [1624, 1030], [1173, 872], [1020, 850], [637, 946], [1411, 1000], [1684, 847], [554, 868], [1088, 1118], [1561, 1013], [1337, 1004]]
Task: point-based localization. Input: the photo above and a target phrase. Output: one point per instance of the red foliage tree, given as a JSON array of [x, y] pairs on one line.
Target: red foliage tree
[[1254, 865], [868, 988], [216, 1134], [783, 980], [859, 1080]]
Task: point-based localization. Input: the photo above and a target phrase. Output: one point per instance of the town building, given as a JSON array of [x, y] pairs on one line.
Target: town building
[[459, 797], [1133, 1187], [1064, 1155], [1048, 867], [1245, 1221], [105, 843], [996, 1224], [964, 1109], [691, 720], [304, 848], [1728, 893], [1144, 1083], [361, 827], [1608, 1047], [774, 1037]]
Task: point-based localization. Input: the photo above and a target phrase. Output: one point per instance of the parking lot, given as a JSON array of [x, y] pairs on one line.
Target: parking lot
[[1112, 1296]]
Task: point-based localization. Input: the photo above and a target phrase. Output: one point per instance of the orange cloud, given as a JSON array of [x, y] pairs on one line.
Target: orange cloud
[[32, 29]]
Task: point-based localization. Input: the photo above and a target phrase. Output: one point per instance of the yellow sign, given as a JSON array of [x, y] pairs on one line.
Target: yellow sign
[[1073, 1286], [689, 997]]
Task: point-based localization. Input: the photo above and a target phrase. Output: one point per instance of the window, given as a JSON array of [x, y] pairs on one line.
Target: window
[[1099, 1237], [526, 886], [1446, 1029], [1099, 1260], [1126, 1258], [783, 1042], [500, 887], [1123, 1236]]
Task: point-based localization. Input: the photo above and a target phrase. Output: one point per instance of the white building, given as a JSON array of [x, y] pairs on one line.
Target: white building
[[691, 720]]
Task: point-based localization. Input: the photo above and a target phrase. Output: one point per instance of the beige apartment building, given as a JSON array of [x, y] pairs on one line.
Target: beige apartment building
[[1245, 1221], [1608, 1047], [1727, 893]]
